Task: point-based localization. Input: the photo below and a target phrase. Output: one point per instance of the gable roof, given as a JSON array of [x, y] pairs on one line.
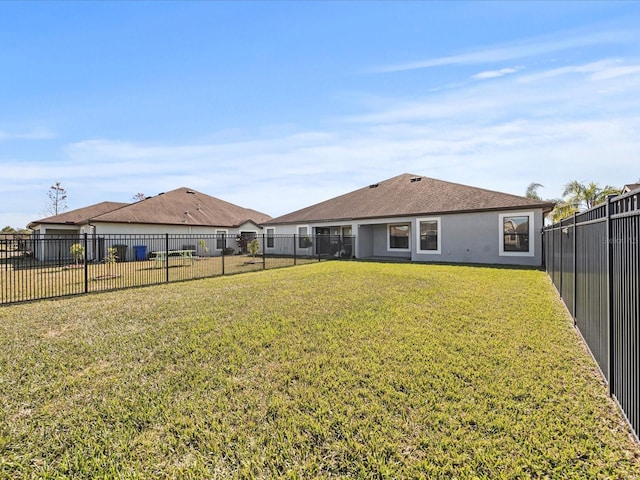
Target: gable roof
[[80, 215], [409, 195], [183, 206]]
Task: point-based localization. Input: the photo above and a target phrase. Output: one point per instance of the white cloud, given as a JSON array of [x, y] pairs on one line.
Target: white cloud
[[615, 72], [35, 134], [517, 50], [579, 121], [600, 70], [495, 73]]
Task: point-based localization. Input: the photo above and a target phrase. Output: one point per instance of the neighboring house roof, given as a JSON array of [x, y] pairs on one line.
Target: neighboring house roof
[[79, 216], [630, 187], [409, 195], [182, 206]]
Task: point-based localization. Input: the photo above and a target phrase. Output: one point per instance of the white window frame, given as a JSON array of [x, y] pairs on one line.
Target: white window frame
[[270, 236], [224, 239], [532, 229], [308, 234], [438, 221], [399, 224]]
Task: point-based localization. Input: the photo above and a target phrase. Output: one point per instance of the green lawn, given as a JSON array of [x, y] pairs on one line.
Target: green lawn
[[337, 369], [25, 279]]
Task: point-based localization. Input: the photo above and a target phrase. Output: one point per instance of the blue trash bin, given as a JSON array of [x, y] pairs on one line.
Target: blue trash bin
[[140, 252]]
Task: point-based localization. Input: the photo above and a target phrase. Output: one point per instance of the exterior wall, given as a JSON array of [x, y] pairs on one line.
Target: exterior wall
[[475, 238], [209, 248], [364, 241], [381, 244], [284, 246], [53, 249], [372, 238], [57, 230], [463, 238], [104, 235]]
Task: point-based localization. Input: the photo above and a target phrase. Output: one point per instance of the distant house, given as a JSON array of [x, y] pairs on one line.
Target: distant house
[[417, 218], [181, 211], [630, 187]]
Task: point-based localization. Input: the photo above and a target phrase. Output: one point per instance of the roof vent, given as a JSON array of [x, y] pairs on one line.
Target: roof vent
[[191, 192], [416, 179], [375, 185]]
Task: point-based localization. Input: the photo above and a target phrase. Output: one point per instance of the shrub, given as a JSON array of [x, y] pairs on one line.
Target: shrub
[[253, 247], [77, 251]]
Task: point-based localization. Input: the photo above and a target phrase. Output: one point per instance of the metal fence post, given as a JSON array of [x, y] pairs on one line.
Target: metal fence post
[[264, 252], [224, 247], [575, 268], [544, 249], [295, 259], [86, 264], [552, 250], [166, 249], [561, 263], [610, 373]]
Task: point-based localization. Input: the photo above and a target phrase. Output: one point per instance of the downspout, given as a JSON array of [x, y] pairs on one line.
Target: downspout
[[94, 239]]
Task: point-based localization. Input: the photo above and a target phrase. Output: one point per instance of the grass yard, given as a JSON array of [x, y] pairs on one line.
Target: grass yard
[[337, 369], [28, 279]]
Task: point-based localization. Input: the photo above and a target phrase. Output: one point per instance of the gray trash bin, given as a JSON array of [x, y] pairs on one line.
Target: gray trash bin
[[121, 252]]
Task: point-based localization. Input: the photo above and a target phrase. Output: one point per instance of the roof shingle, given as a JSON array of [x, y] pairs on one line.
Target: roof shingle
[[408, 195], [182, 206], [80, 215]]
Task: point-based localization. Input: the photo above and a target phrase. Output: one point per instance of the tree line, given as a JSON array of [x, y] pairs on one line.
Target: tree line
[[577, 196]]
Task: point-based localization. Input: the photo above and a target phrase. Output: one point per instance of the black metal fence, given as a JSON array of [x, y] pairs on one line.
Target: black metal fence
[[39, 267], [593, 259]]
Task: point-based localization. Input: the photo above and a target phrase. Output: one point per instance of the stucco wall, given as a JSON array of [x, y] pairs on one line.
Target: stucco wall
[[474, 238], [381, 243], [464, 238]]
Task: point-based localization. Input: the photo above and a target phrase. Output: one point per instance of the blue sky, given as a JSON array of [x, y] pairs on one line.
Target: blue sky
[[276, 106]]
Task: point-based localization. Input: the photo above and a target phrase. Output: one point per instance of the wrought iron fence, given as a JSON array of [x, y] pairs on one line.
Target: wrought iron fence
[[593, 259], [49, 266]]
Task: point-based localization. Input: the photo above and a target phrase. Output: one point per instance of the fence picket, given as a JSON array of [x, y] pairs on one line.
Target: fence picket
[[604, 258]]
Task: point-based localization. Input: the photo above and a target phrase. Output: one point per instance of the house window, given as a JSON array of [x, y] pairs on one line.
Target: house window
[[221, 242], [429, 235], [270, 237], [304, 240], [515, 234], [399, 236]]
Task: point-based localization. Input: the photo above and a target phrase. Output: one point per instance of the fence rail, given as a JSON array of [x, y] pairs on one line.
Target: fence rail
[[50, 266], [593, 259]]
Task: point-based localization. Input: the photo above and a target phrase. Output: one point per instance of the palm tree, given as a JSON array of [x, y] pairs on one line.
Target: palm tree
[[582, 196], [532, 191], [590, 195]]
